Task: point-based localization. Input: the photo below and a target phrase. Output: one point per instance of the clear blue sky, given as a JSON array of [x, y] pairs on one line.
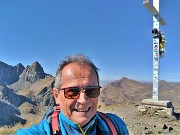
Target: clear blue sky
[[115, 34]]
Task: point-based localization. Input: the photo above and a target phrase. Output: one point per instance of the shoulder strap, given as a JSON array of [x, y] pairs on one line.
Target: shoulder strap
[[55, 122], [47, 114], [109, 123]]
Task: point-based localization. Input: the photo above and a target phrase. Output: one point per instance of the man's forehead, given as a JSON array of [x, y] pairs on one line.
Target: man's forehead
[[74, 70], [76, 66], [78, 74], [69, 72]]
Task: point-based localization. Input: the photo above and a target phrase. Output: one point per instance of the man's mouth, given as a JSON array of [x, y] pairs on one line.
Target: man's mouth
[[82, 110]]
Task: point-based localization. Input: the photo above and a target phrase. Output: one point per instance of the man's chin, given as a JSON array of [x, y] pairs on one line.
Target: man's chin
[[82, 119]]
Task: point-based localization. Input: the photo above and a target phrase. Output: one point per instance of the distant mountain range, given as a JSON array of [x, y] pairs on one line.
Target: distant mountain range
[[126, 90], [26, 90]]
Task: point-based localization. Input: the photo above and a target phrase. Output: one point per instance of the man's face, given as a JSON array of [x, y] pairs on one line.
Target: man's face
[[82, 109]]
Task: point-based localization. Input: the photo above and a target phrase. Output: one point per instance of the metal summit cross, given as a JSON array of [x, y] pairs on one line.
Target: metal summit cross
[[158, 51], [154, 9]]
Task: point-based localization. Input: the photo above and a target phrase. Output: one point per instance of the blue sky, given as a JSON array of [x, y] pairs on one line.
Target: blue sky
[[115, 34]]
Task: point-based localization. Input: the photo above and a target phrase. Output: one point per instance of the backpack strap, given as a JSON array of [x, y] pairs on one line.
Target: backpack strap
[[55, 122], [109, 122], [47, 114]]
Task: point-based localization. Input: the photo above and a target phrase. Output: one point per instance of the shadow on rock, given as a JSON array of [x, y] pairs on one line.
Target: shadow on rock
[[177, 115], [10, 96], [9, 115]]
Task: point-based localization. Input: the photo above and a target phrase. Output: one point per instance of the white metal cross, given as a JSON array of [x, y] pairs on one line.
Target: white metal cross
[[154, 9]]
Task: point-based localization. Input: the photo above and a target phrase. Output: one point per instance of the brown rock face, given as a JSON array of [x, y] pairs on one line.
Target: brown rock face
[[33, 73]]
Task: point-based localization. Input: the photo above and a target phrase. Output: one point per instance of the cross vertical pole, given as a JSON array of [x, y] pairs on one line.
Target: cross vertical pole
[[156, 63]]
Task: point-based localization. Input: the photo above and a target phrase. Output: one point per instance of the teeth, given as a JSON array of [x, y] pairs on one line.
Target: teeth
[[81, 110]]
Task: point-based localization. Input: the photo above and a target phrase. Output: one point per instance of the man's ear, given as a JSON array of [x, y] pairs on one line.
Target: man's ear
[[55, 94]]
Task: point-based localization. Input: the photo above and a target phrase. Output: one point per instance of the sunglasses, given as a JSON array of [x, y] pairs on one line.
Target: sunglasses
[[74, 92]]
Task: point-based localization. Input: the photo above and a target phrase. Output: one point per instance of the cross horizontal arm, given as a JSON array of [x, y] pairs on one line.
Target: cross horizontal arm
[[154, 12]]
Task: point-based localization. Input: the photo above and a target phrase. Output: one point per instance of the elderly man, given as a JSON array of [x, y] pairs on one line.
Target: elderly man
[[76, 91]]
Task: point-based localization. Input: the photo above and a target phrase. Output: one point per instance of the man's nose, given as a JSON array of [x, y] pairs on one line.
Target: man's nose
[[82, 97]]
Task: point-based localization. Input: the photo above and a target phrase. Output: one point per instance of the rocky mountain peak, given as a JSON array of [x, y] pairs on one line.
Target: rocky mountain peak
[[33, 73], [124, 78], [36, 65], [19, 68], [10, 74], [19, 65]]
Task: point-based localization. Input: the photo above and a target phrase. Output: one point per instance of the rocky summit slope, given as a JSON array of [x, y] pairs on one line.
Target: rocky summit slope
[[148, 123]]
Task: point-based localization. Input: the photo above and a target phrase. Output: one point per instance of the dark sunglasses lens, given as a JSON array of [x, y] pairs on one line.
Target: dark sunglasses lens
[[92, 92], [71, 93]]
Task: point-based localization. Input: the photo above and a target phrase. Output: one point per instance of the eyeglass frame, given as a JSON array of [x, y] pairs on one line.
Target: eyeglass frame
[[80, 89]]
